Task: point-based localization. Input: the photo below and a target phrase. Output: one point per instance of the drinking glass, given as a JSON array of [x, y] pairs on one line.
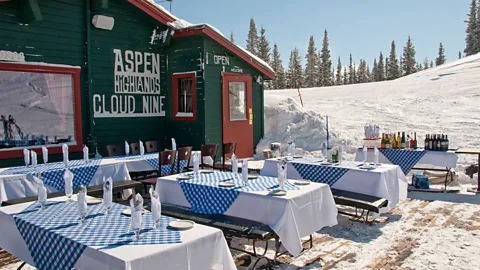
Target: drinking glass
[[42, 204], [83, 214], [156, 223]]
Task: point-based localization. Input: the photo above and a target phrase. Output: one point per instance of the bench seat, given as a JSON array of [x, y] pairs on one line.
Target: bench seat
[[357, 200]]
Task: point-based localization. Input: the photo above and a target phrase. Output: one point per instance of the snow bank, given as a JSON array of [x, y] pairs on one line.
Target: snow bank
[[288, 121]]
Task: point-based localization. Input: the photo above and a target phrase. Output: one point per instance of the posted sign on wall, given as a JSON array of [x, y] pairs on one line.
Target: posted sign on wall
[[136, 90]]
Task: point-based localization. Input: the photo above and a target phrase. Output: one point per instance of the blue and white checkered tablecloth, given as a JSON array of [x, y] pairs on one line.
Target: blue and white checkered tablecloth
[[152, 159], [56, 240], [314, 171], [52, 173], [406, 159], [206, 197]]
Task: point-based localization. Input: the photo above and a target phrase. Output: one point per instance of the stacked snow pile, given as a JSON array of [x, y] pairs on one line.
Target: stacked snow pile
[[288, 121]]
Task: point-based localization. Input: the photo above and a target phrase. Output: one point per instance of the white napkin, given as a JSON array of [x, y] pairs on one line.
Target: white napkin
[[340, 153], [68, 176], [65, 154], [292, 149], [45, 154], [156, 204], [174, 144], [324, 150], [82, 199], [375, 155], [33, 158], [42, 192], [282, 174], [127, 148], [107, 192], [196, 163], [85, 154], [365, 152], [142, 148], [26, 156], [136, 206], [244, 171], [234, 164]]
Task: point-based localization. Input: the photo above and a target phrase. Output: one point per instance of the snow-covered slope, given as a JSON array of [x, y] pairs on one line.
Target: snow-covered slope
[[441, 100]]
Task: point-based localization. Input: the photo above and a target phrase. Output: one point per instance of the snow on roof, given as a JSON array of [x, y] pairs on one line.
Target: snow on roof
[[180, 24]]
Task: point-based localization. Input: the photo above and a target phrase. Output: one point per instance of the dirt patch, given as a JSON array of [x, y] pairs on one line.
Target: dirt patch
[[396, 256], [423, 221], [6, 258]]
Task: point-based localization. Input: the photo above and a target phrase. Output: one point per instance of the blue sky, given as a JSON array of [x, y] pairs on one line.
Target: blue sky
[[363, 28]]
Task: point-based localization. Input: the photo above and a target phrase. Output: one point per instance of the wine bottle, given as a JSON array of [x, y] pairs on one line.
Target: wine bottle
[[439, 143], [413, 142], [430, 142], [447, 144], [425, 142], [387, 142], [402, 143], [399, 141], [434, 143], [442, 142], [407, 142]]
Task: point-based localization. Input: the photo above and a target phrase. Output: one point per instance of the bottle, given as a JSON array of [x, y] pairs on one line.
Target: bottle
[[382, 143], [439, 143], [415, 145], [386, 141], [447, 144], [434, 143], [430, 142], [425, 144], [402, 142], [399, 141], [407, 142], [442, 143]]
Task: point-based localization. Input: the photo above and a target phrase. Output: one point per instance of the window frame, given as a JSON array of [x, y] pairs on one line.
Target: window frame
[[175, 91], [77, 105]]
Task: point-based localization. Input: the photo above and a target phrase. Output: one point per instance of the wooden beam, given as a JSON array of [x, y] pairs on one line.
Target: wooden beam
[[31, 11], [99, 5]]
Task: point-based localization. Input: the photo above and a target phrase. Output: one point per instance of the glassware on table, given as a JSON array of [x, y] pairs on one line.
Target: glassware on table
[[282, 174], [68, 177], [82, 204]]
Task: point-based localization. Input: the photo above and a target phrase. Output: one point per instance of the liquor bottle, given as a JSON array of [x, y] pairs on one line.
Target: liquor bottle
[[387, 141], [402, 143], [412, 141], [382, 142], [415, 145], [447, 144], [439, 143], [399, 141], [407, 142]]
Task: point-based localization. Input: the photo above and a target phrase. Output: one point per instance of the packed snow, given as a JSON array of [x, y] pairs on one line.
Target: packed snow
[[441, 100]]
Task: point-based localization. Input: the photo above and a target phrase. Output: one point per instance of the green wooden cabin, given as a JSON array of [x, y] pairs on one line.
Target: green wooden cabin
[[99, 72]]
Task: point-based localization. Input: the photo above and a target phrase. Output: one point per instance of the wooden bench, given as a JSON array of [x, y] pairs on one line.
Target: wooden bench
[[232, 227], [359, 201], [94, 191]]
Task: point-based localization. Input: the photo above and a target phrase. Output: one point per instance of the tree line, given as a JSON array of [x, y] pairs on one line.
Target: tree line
[[320, 71]]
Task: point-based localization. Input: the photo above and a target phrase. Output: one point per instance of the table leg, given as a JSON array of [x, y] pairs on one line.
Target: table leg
[[478, 175]]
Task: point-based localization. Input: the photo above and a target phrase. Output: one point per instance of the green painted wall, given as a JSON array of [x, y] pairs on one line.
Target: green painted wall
[[59, 38], [213, 94], [132, 32]]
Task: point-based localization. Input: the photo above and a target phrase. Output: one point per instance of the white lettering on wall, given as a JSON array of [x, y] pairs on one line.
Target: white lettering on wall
[[12, 56], [221, 60], [135, 73]]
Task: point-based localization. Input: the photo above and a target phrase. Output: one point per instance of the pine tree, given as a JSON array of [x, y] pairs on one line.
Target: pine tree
[[351, 71], [400, 67], [386, 68], [326, 64], [472, 30], [263, 46], [232, 39], [369, 74], [311, 68], [431, 64], [380, 70], [338, 80], [440, 60], [426, 63], [409, 62], [252, 40], [374, 70], [279, 82], [355, 77], [393, 67], [295, 70], [362, 72], [319, 70], [477, 33], [345, 76], [459, 55]]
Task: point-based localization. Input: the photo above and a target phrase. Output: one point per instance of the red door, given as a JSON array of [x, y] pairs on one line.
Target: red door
[[237, 112]]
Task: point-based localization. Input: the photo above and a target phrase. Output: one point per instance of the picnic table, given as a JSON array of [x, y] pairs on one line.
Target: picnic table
[[301, 212], [53, 239], [472, 151], [385, 181], [416, 160], [19, 182]]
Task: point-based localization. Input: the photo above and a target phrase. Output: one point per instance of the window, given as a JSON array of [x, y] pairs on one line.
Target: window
[[184, 96], [40, 105], [237, 101]]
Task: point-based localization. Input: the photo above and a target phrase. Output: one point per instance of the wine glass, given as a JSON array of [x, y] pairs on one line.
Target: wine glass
[[42, 203], [156, 222], [82, 211]]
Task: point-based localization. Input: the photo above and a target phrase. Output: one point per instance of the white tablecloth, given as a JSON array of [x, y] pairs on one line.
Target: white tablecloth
[[435, 158], [387, 181], [201, 248], [296, 215], [23, 185]]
